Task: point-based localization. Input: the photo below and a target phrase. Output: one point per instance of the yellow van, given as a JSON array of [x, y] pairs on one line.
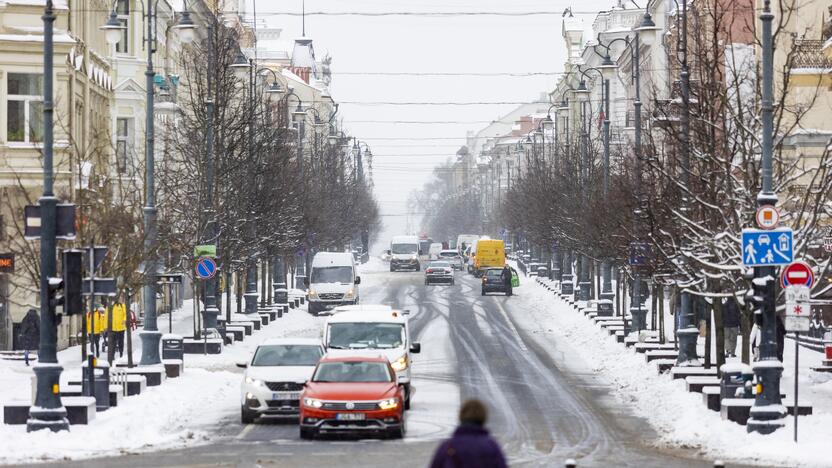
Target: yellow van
[[490, 253]]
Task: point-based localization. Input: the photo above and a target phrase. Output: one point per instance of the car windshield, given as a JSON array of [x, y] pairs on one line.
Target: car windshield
[[494, 272], [448, 254], [286, 355], [440, 265], [360, 335], [352, 371], [332, 274], [404, 249]]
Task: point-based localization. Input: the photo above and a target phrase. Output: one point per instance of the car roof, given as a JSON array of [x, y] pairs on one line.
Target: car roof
[[391, 316], [449, 251], [354, 358], [291, 341], [362, 308]]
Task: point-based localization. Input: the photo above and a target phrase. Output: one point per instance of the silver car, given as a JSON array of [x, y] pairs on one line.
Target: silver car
[[453, 257]]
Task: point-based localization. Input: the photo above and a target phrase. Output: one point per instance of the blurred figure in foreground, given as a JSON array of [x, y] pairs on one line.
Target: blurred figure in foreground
[[471, 446]]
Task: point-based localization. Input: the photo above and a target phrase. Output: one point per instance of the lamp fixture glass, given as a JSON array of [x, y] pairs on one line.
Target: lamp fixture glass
[[112, 29], [186, 28]]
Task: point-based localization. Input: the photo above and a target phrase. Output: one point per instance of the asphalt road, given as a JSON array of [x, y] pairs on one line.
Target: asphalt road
[[542, 412]]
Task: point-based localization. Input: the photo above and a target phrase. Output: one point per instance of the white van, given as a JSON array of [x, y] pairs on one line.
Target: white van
[[371, 333], [434, 250], [404, 253], [333, 281]]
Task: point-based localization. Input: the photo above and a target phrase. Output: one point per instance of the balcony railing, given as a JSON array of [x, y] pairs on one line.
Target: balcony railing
[[809, 54]]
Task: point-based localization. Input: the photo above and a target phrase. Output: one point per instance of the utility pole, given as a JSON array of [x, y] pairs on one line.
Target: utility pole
[[48, 411], [768, 414], [211, 311]]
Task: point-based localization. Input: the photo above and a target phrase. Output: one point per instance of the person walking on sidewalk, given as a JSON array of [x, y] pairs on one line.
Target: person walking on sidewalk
[[470, 446], [731, 320], [29, 333], [119, 314], [95, 324]]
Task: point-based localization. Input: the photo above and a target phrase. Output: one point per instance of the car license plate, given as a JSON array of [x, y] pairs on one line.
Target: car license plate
[[286, 396], [350, 416], [330, 306]]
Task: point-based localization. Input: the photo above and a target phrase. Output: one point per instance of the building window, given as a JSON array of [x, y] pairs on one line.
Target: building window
[[123, 14], [25, 107], [124, 143]]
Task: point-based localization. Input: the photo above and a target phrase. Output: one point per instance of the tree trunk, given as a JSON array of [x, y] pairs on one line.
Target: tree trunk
[[228, 283], [660, 295], [719, 327], [745, 325], [239, 283], [653, 308]]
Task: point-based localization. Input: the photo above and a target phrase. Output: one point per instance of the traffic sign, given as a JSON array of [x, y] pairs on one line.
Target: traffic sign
[[64, 221], [798, 273], [827, 240], [767, 217], [7, 263], [205, 268], [798, 316], [767, 248], [208, 250]]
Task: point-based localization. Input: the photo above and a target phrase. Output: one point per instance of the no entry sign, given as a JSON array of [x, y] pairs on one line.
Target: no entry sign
[[797, 273]]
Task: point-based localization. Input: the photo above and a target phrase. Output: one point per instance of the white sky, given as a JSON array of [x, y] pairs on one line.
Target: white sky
[[482, 44]]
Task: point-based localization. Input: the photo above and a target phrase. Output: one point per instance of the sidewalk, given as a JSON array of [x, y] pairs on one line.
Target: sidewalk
[[181, 412], [681, 418]]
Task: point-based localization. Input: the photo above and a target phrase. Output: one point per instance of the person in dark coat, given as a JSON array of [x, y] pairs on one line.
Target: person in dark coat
[[471, 446], [506, 277], [731, 322], [30, 333]]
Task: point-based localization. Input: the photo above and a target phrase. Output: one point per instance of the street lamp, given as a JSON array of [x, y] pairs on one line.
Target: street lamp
[[150, 335], [647, 29], [112, 29]]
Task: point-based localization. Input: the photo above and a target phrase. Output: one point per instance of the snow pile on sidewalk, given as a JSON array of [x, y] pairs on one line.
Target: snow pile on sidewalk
[[181, 412], [680, 418]]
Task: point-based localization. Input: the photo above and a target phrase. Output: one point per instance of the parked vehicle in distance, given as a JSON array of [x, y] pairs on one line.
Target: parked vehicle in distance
[[333, 281], [439, 272], [424, 248], [453, 257], [492, 281], [275, 375], [353, 394], [362, 333], [404, 253], [490, 253], [434, 250], [463, 241]]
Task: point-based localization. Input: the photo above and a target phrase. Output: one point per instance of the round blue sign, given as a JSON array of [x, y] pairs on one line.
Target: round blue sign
[[205, 268]]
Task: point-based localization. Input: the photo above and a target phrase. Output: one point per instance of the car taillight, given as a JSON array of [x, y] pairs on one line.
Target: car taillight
[[428, 271]]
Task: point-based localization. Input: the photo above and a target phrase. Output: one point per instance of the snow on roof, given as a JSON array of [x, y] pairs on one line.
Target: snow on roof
[[290, 341], [58, 38], [370, 316]]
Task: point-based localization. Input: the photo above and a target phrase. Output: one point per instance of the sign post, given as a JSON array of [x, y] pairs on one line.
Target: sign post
[[798, 319]]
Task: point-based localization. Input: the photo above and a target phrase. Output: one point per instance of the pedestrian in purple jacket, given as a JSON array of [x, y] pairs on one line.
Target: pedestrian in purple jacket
[[471, 446]]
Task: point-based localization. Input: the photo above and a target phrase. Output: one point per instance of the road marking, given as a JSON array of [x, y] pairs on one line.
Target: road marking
[[511, 327], [245, 431]]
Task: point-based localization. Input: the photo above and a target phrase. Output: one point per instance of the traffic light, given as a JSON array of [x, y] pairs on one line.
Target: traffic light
[[757, 294], [70, 283]]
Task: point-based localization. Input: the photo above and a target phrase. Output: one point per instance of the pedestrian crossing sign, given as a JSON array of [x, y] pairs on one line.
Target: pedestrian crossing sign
[[767, 247]]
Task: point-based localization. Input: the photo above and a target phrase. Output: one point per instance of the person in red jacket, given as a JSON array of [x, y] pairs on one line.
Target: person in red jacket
[[471, 446]]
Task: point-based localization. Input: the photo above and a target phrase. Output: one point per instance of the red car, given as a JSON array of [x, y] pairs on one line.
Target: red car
[[352, 394]]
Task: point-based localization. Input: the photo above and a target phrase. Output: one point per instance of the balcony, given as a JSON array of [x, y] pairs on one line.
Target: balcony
[[809, 54]]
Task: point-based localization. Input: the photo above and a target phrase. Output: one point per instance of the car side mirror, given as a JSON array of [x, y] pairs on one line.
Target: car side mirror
[[416, 348], [242, 364], [357, 280], [388, 252]]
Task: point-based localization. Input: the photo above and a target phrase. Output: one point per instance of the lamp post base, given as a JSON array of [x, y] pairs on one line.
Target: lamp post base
[[251, 302], [768, 413], [48, 412], [150, 347], [687, 347], [638, 319], [209, 316]]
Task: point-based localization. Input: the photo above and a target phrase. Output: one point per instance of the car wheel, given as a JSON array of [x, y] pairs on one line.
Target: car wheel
[[307, 433], [399, 432], [247, 416]]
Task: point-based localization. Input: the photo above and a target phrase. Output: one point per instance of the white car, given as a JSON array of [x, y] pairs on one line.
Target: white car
[[275, 376], [453, 257], [439, 272], [370, 333]]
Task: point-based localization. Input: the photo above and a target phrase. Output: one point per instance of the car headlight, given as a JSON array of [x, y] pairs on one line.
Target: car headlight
[[313, 294], [414, 258], [312, 402], [350, 294], [388, 404], [255, 382], [399, 364]]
